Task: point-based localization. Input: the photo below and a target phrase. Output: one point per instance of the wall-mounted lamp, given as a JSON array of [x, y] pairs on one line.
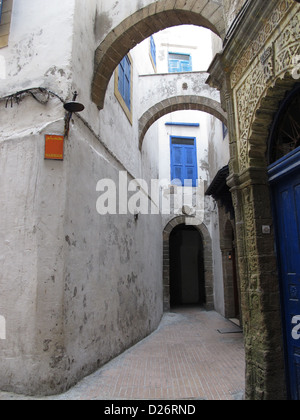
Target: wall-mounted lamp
[[72, 107]]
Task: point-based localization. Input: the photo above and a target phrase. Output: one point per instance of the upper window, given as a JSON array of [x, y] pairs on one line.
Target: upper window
[[184, 170], [179, 63], [153, 52], [225, 131], [1, 6], [285, 133], [5, 19], [123, 85]]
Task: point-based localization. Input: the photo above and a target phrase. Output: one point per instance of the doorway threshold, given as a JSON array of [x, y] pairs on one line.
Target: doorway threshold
[[235, 321]]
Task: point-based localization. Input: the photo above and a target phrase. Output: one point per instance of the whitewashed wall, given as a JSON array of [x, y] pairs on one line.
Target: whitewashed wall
[[40, 47], [77, 288]]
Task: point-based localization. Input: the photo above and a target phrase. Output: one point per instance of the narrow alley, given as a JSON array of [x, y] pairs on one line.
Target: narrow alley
[[150, 158], [193, 355]]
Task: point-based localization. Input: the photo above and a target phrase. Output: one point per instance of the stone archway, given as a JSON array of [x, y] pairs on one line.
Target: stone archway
[[179, 103], [258, 271], [208, 261], [142, 24]]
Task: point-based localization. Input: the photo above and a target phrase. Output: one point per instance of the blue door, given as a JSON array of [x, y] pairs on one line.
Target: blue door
[[285, 181]]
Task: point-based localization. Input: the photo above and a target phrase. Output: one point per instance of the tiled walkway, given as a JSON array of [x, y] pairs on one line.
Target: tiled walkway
[[193, 355]]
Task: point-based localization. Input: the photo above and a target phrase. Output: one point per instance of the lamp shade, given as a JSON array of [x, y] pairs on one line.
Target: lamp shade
[[74, 107]]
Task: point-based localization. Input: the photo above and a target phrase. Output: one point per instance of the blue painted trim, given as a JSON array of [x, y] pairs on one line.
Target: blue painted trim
[[184, 138], [183, 165], [285, 165], [1, 7], [124, 83], [286, 200], [180, 66], [153, 49], [183, 124]]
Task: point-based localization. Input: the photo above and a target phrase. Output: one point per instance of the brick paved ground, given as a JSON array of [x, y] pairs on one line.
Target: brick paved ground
[[186, 358]]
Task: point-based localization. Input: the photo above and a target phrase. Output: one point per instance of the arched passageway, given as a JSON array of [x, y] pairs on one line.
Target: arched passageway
[[179, 103], [144, 23], [187, 277], [175, 232]]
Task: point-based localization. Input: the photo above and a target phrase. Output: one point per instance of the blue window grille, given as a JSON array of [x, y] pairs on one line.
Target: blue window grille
[[179, 63], [153, 50], [184, 170], [124, 83], [1, 7], [225, 131]]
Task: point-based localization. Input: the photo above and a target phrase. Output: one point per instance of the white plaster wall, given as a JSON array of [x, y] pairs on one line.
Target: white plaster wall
[[113, 286], [185, 39], [218, 149], [114, 263], [40, 47], [33, 197], [218, 157], [110, 124], [217, 258], [79, 288], [113, 14], [31, 249]]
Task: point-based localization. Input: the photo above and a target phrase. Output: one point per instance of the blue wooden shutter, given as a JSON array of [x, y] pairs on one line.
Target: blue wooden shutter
[[184, 162], [190, 166], [174, 66], [186, 65], [121, 77], [153, 49], [177, 165], [124, 83], [127, 82], [179, 63]]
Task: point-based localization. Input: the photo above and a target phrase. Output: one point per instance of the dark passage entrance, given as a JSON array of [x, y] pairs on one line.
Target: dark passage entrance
[[187, 281]]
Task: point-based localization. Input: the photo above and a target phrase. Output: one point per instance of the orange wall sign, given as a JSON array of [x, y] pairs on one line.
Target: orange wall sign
[[54, 147]]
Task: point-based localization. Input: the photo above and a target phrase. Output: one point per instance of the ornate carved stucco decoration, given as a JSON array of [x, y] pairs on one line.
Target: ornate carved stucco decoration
[[269, 57], [261, 40], [287, 46]]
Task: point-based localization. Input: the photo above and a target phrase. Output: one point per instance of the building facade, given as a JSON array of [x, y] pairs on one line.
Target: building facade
[[259, 81], [86, 264]]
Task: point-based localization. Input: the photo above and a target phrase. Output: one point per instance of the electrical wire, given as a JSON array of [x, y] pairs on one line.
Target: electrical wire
[[34, 93]]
